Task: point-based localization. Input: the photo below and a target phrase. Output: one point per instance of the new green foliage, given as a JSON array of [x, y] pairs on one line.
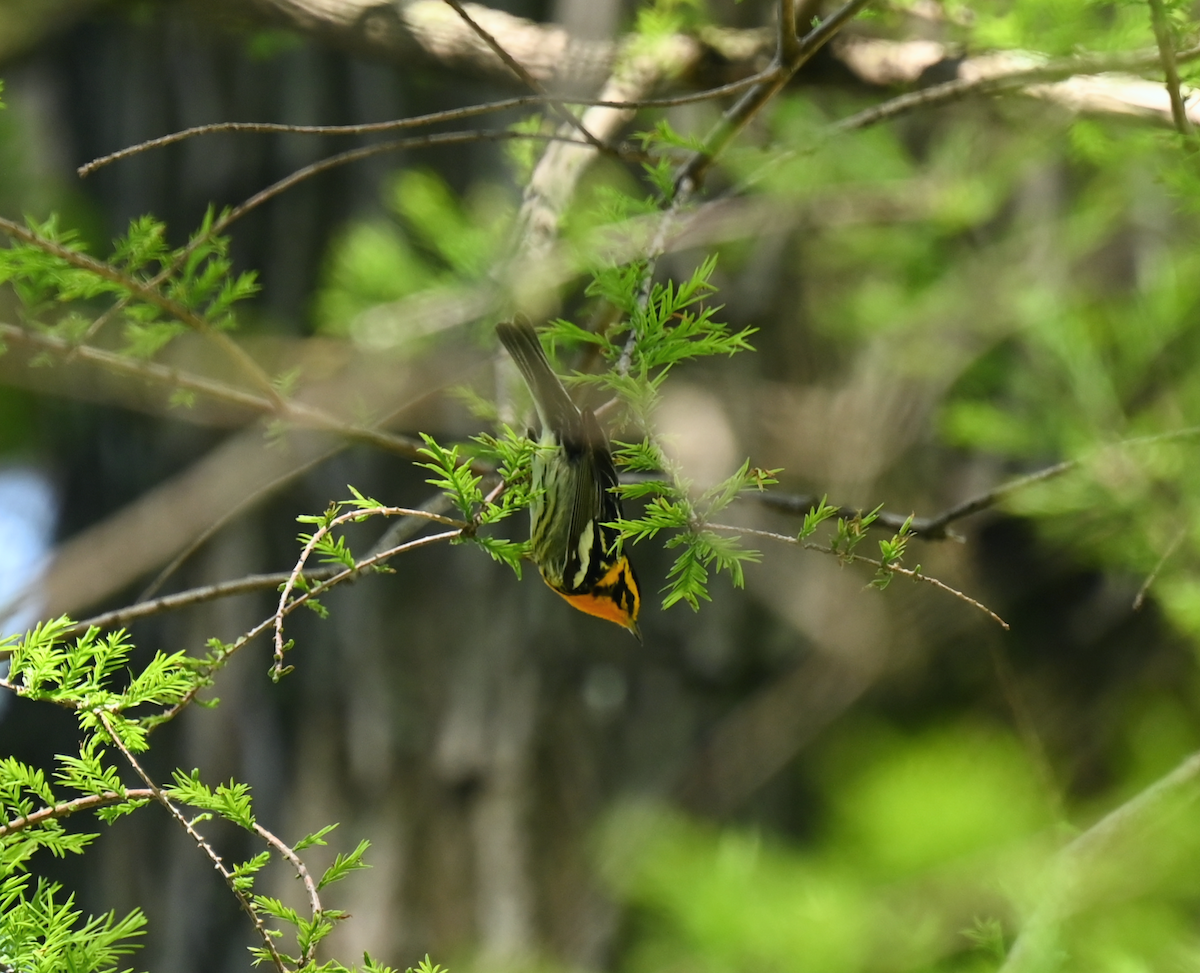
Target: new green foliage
[[116, 705], [156, 291]]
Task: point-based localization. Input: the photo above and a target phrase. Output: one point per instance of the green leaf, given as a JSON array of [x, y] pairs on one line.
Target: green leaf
[[343, 865]]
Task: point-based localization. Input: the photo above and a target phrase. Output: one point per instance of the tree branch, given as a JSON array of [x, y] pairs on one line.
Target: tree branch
[[691, 174], [1166, 50], [914, 573], [1032, 75], [201, 842], [67, 808], [285, 607], [314, 899], [294, 412], [194, 596]]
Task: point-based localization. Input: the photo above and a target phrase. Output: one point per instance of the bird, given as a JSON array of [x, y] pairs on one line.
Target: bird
[[574, 494]]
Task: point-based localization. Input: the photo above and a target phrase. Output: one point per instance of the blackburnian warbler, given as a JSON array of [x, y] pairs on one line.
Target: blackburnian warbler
[[574, 484]]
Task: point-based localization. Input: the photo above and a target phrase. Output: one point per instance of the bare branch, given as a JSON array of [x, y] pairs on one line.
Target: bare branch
[[286, 607], [691, 174], [935, 528], [1140, 598], [416, 121], [67, 808], [396, 145], [534, 85], [194, 596], [394, 536], [1019, 72]]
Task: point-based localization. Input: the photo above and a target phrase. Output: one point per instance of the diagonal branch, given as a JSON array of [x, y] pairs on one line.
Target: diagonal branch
[[1066, 888], [201, 842], [318, 535], [534, 85], [1009, 72], [692, 173], [298, 413], [1166, 49], [151, 295], [314, 899], [936, 528], [366, 152]]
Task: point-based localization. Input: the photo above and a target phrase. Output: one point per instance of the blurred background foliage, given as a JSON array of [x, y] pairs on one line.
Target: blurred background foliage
[[808, 775]]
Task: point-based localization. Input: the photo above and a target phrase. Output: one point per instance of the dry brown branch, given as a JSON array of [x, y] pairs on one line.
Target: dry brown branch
[[366, 152], [433, 118], [67, 808], [937, 526], [530, 81], [193, 596]]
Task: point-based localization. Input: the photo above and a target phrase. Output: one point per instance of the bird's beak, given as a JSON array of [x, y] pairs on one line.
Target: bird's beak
[[635, 632]]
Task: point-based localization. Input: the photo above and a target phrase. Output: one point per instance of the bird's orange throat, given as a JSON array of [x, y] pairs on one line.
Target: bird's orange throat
[[615, 597]]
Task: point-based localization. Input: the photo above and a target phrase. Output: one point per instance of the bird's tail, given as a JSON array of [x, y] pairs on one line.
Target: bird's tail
[[555, 408]]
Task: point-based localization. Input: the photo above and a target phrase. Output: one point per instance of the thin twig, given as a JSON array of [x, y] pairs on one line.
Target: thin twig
[[433, 118], [935, 528], [531, 82], [366, 152], [285, 607], [394, 536], [314, 900], [736, 118], [912, 573], [194, 596], [1140, 598], [227, 651], [68, 808], [1166, 50], [202, 843]]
